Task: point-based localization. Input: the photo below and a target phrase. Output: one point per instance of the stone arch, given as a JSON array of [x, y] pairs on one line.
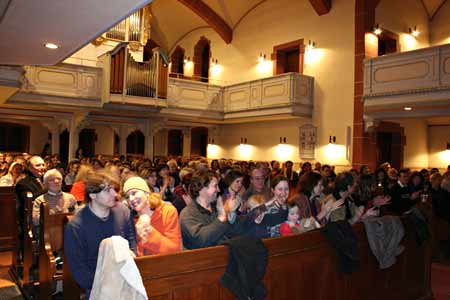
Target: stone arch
[[136, 142]]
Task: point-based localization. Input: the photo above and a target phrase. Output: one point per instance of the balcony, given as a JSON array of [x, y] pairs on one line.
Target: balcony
[[408, 84], [289, 94], [60, 85]]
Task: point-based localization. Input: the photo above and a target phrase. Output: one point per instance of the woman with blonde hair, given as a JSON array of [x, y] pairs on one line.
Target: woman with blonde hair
[[15, 173], [157, 227]]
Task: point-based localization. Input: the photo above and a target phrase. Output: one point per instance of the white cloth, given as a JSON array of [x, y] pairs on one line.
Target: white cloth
[[117, 276]]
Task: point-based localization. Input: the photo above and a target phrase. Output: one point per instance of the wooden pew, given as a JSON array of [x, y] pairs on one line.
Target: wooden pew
[[8, 222], [51, 239], [299, 267]]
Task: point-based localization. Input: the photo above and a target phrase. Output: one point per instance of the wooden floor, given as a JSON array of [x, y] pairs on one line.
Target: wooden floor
[[8, 289]]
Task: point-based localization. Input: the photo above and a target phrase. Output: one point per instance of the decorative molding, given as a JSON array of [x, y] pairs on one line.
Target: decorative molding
[[211, 18], [321, 7]]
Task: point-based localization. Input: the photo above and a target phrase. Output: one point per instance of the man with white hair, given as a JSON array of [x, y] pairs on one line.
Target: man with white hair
[[59, 202]]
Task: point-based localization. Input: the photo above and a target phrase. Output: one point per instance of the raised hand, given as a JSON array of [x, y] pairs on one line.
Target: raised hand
[[381, 200], [143, 227]]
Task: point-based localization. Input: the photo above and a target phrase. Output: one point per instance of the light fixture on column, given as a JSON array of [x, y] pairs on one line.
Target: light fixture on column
[[377, 30], [413, 31], [187, 59], [214, 62], [243, 141], [332, 139], [283, 140], [211, 141]]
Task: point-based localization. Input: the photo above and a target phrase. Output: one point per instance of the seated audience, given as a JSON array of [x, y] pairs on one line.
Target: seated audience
[[157, 227], [403, 198], [15, 173], [72, 171]]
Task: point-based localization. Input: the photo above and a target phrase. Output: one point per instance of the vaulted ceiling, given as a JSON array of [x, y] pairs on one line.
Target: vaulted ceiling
[[432, 7]]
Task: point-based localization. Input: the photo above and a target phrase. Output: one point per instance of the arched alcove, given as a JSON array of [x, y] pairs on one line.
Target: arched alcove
[[202, 57], [175, 142], [177, 59], [14, 137], [199, 141], [86, 141], [64, 145], [135, 142]]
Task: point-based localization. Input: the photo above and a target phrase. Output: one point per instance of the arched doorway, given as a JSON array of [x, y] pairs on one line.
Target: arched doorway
[[116, 143], [64, 146], [199, 141], [86, 141], [202, 56], [177, 59], [135, 142], [175, 142], [14, 137]]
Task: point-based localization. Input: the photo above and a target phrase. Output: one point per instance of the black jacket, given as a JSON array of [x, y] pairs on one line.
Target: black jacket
[[246, 268]]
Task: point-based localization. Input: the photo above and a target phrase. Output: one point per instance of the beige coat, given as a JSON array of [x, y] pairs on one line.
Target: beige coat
[[117, 276]]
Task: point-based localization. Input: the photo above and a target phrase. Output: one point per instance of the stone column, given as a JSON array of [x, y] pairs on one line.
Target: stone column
[[149, 133], [55, 137], [123, 134], [187, 142]]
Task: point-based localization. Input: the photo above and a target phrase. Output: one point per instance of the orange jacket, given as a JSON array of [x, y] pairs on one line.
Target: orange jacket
[[165, 236]]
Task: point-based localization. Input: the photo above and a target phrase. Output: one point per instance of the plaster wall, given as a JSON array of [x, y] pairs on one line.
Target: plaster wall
[[400, 15], [282, 21], [440, 27], [438, 137]]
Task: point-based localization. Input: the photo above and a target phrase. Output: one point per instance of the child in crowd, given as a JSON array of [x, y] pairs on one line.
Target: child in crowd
[[294, 225]]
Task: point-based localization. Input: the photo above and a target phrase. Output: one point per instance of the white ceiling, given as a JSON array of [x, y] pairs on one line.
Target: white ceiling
[[28, 24]]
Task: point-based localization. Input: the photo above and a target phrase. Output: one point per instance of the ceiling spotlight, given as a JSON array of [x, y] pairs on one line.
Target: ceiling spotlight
[[51, 46], [407, 108]]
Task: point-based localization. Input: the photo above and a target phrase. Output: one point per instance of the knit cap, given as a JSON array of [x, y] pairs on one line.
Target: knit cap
[[135, 183]]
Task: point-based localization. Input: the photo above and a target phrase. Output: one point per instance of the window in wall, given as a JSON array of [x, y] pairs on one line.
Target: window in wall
[[202, 56], [175, 142], [177, 59], [288, 57], [135, 142], [14, 137], [199, 141], [388, 43]]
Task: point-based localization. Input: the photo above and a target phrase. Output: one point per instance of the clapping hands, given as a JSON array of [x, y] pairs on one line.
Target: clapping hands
[[143, 227]]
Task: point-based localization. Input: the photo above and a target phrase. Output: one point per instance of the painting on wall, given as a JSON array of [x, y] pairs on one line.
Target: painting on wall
[[308, 137]]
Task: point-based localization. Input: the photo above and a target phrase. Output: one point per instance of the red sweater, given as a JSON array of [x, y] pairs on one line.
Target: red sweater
[[165, 236], [78, 189]]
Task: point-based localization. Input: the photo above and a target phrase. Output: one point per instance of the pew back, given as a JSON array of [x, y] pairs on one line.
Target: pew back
[[51, 241], [8, 222], [299, 267]]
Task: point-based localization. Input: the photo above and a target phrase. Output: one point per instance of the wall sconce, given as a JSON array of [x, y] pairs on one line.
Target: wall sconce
[[413, 31], [211, 141], [311, 45], [332, 139], [186, 60], [214, 62], [283, 140], [243, 141], [262, 57], [377, 30]]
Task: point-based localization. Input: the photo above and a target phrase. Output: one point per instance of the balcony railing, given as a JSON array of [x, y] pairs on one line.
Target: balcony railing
[[289, 93], [63, 84], [417, 78]]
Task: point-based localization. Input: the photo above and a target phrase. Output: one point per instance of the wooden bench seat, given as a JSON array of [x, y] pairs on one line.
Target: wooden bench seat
[[299, 267]]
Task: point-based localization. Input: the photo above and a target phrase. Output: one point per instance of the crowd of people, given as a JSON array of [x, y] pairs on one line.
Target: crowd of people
[[172, 204]]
